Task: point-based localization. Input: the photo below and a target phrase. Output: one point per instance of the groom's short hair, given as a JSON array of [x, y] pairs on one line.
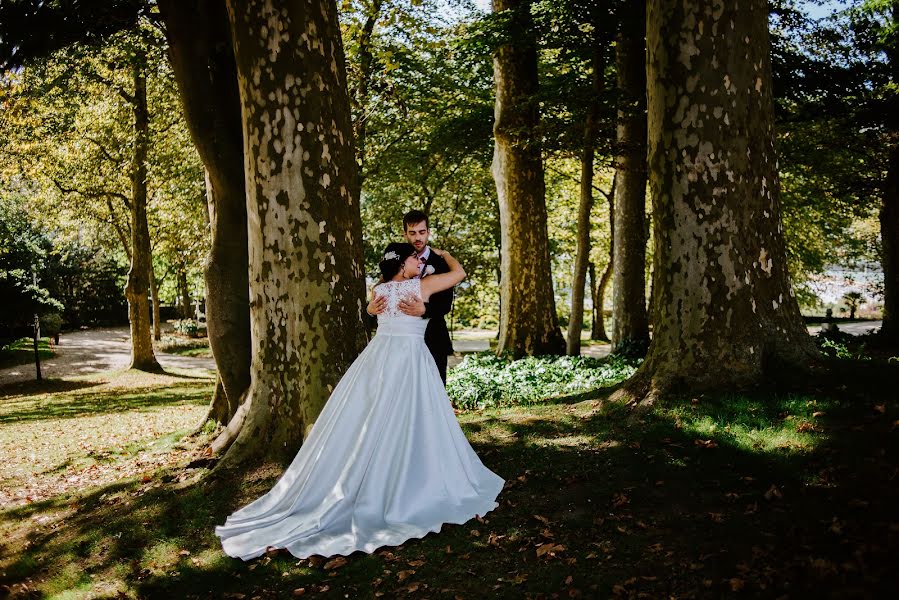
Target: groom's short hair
[[415, 216]]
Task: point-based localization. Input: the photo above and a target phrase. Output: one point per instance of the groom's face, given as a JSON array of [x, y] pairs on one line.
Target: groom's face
[[417, 234]]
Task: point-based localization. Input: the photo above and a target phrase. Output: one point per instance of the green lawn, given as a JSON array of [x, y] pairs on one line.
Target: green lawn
[[21, 352], [784, 492]]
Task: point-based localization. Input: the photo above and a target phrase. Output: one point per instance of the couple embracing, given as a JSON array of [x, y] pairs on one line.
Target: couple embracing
[[386, 460]]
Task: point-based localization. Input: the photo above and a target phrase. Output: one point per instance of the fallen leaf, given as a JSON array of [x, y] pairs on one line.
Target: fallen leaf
[[299, 591], [619, 499], [773, 493], [549, 548], [335, 563], [736, 584], [405, 574]]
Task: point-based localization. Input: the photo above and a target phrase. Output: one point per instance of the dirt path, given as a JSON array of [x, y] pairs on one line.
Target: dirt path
[[93, 351]]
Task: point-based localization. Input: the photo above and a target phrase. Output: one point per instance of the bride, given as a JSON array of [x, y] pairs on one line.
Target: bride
[[386, 460]]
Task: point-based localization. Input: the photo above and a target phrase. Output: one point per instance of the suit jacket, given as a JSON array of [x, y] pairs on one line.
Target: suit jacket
[[437, 335]]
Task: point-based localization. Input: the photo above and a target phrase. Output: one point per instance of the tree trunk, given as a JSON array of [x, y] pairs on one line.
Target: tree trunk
[[585, 207], [528, 321], [629, 267], [138, 285], [184, 292], [723, 308], [889, 242], [889, 211], [366, 59], [305, 230], [599, 328], [154, 295], [598, 331], [202, 58]]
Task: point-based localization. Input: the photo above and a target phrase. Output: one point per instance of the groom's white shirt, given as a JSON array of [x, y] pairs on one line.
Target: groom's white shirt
[[425, 254]]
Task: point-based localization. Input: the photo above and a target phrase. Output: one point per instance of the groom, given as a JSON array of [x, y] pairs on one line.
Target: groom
[[437, 338]]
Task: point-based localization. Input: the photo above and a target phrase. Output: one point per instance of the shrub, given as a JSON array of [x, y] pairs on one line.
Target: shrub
[[484, 380], [187, 327], [51, 324], [836, 344]]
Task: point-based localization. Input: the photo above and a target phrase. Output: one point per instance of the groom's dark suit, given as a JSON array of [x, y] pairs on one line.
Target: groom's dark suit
[[437, 336]]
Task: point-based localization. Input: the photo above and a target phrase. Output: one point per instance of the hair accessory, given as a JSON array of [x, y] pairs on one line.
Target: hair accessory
[[391, 255]]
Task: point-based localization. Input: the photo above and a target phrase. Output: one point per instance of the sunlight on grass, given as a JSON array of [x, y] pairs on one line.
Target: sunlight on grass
[[766, 425], [94, 431], [21, 352]]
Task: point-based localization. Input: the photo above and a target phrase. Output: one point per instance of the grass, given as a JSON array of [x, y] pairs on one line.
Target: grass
[[786, 491], [64, 435], [21, 352]]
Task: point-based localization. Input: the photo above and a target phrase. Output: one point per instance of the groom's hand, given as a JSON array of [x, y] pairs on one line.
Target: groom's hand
[[414, 306], [377, 305]]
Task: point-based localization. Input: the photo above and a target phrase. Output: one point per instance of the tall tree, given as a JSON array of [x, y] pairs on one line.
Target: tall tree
[[137, 288], [723, 308], [202, 58], [305, 232], [528, 321], [629, 265], [585, 205], [889, 212]]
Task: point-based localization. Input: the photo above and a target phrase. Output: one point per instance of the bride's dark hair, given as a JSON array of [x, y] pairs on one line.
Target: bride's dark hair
[[391, 266]]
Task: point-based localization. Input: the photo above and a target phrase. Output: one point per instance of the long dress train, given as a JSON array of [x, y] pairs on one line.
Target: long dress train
[[386, 460]]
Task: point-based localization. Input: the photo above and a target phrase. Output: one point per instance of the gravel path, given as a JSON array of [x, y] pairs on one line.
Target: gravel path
[[108, 348], [93, 351]]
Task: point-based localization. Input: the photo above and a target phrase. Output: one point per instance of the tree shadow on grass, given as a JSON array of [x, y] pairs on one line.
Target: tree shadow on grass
[[662, 504], [83, 402], [21, 389]]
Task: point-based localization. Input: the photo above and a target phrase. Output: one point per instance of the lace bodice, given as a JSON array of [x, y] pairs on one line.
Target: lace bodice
[[395, 291]]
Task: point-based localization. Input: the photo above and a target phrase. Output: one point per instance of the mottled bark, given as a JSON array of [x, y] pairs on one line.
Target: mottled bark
[[137, 288], [305, 230], [202, 58], [528, 321], [889, 211], [585, 208], [723, 308], [629, 294], [154, 297]]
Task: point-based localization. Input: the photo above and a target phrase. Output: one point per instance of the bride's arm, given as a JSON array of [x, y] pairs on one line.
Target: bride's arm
[[444, 281]]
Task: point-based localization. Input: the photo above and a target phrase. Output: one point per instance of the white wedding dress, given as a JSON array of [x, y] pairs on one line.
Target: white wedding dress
[[386, 461]]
